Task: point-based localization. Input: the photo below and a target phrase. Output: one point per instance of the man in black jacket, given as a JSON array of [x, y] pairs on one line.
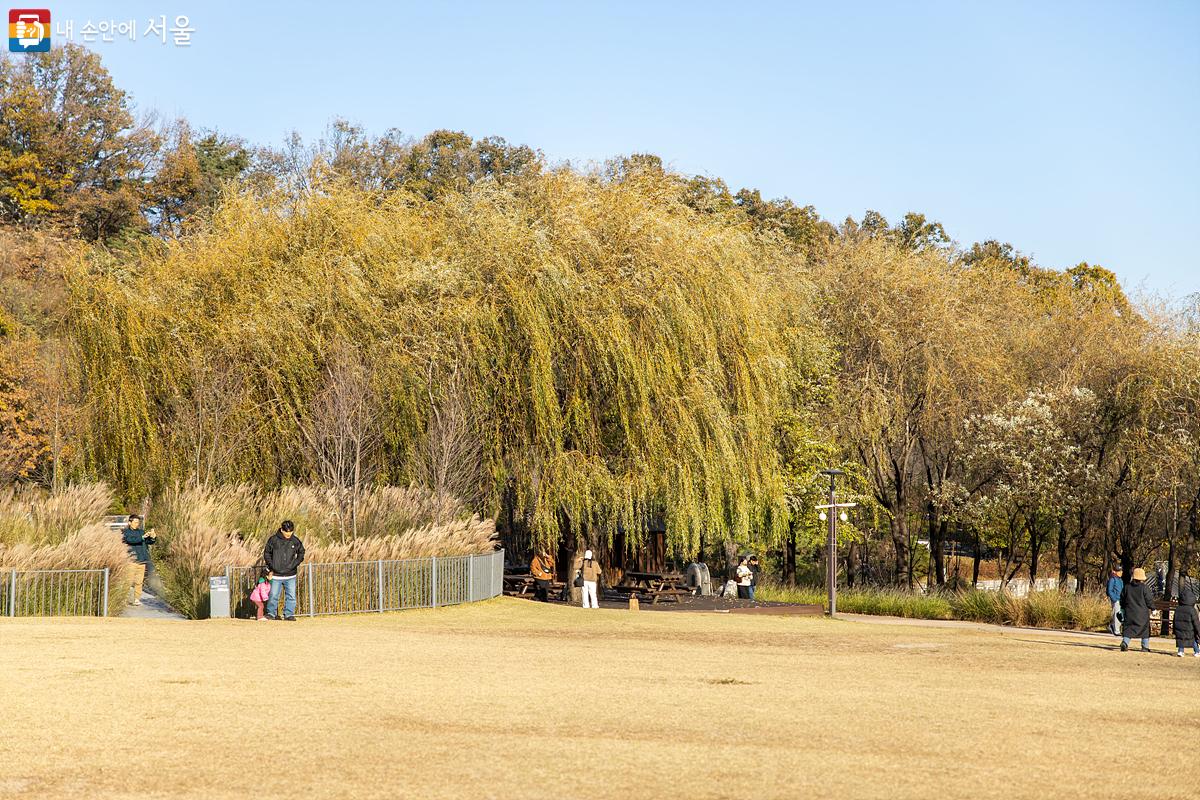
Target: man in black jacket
[[139, 542], [283, 555]]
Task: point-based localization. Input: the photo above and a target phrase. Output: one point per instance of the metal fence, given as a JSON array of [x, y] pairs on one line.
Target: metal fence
[[54, 593], [355, 587]]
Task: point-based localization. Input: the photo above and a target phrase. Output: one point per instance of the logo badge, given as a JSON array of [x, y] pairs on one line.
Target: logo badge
[[29, 30]]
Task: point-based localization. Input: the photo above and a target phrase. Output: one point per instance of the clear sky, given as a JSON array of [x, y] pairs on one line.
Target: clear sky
[[1071, 129]]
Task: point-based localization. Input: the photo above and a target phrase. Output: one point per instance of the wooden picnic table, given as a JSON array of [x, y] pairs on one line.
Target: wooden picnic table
[[655, 586], [517, 585]]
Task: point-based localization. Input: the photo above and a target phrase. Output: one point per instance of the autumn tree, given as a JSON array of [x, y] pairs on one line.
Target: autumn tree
[[71, 150]]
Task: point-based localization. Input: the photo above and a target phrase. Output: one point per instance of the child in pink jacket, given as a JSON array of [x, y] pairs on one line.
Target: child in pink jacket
[[260, 593]]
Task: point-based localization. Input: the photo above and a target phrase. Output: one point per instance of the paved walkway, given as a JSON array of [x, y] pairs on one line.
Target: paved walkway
[[151, 608]]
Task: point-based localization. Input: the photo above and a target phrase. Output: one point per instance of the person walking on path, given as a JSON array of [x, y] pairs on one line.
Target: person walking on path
[[139, 542], [542, 570], [1114, 588], [588, 568], [283, 556], [1186, 625], [1136, 601]]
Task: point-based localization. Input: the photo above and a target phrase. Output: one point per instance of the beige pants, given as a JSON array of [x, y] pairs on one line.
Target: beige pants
[[139, 577]]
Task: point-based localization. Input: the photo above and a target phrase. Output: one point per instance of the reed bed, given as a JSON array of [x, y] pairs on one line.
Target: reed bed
[[203, 531], [1060, 610], [91, 547], [32, 516]]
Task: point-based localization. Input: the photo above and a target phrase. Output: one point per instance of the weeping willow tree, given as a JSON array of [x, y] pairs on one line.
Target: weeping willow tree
[[609, 353]]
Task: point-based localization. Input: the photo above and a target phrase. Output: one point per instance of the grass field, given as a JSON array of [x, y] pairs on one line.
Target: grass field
[[512, 699]]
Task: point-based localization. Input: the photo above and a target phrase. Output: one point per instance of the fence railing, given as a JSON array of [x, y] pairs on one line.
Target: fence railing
[[54, 592], [355, 587], [1020, 587]]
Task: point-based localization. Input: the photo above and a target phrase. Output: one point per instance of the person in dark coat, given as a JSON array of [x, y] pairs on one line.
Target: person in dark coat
[[1136, 602], [139, 542], [283, 556], [1186, 626]]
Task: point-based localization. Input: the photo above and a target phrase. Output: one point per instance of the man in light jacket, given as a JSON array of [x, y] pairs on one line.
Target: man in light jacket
[[1114, 588], [283, 556]]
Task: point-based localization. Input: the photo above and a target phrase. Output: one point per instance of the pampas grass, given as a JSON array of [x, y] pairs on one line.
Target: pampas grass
[[202, 531], [41, 530], [92, 547], [33, 516]]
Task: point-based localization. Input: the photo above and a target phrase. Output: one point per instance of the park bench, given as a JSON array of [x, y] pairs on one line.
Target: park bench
[[1163, 609], [524, 585]]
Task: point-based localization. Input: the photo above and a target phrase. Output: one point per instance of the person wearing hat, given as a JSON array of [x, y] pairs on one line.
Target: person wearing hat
[[1186, 625], [588, 569], [1113, 589], [542, 570], [1136, 602]]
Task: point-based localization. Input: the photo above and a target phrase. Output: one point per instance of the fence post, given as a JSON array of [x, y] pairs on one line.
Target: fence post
[[12, 593], [379, 581], [105, 600], [433, 579], [312, 603], [471, 579]]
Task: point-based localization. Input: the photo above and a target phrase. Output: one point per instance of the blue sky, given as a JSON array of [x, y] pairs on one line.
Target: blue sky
[[1070, 129]]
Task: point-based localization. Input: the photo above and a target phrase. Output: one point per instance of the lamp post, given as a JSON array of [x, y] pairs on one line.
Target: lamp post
[[834, 509]]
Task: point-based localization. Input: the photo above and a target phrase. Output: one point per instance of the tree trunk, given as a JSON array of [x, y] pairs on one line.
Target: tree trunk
[[937, 534], [789, 556], [1035, 550], [899, 532], [851, 564], [1062, 554], [1080, 573], [977, 557]]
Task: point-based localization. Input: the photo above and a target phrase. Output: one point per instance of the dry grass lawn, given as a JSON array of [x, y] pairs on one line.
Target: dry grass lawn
[[511, 699]]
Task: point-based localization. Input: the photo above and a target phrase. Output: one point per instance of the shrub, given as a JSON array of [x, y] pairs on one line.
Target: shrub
[[1040, 609]]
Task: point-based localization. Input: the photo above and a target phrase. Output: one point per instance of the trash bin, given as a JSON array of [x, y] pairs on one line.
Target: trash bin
[[218, 597]]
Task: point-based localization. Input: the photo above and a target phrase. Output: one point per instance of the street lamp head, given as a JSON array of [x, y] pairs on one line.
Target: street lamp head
[[822, 516], [833, 472]]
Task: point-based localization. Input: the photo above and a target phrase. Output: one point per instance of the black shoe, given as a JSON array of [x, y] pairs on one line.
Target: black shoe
[[289, 619], [1124, 646]]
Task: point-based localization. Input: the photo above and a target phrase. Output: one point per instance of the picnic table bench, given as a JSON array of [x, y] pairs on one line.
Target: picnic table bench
[[654, 586], [518, 585]]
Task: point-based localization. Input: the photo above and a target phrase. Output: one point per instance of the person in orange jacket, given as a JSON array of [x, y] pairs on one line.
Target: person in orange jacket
[[542, 570]]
